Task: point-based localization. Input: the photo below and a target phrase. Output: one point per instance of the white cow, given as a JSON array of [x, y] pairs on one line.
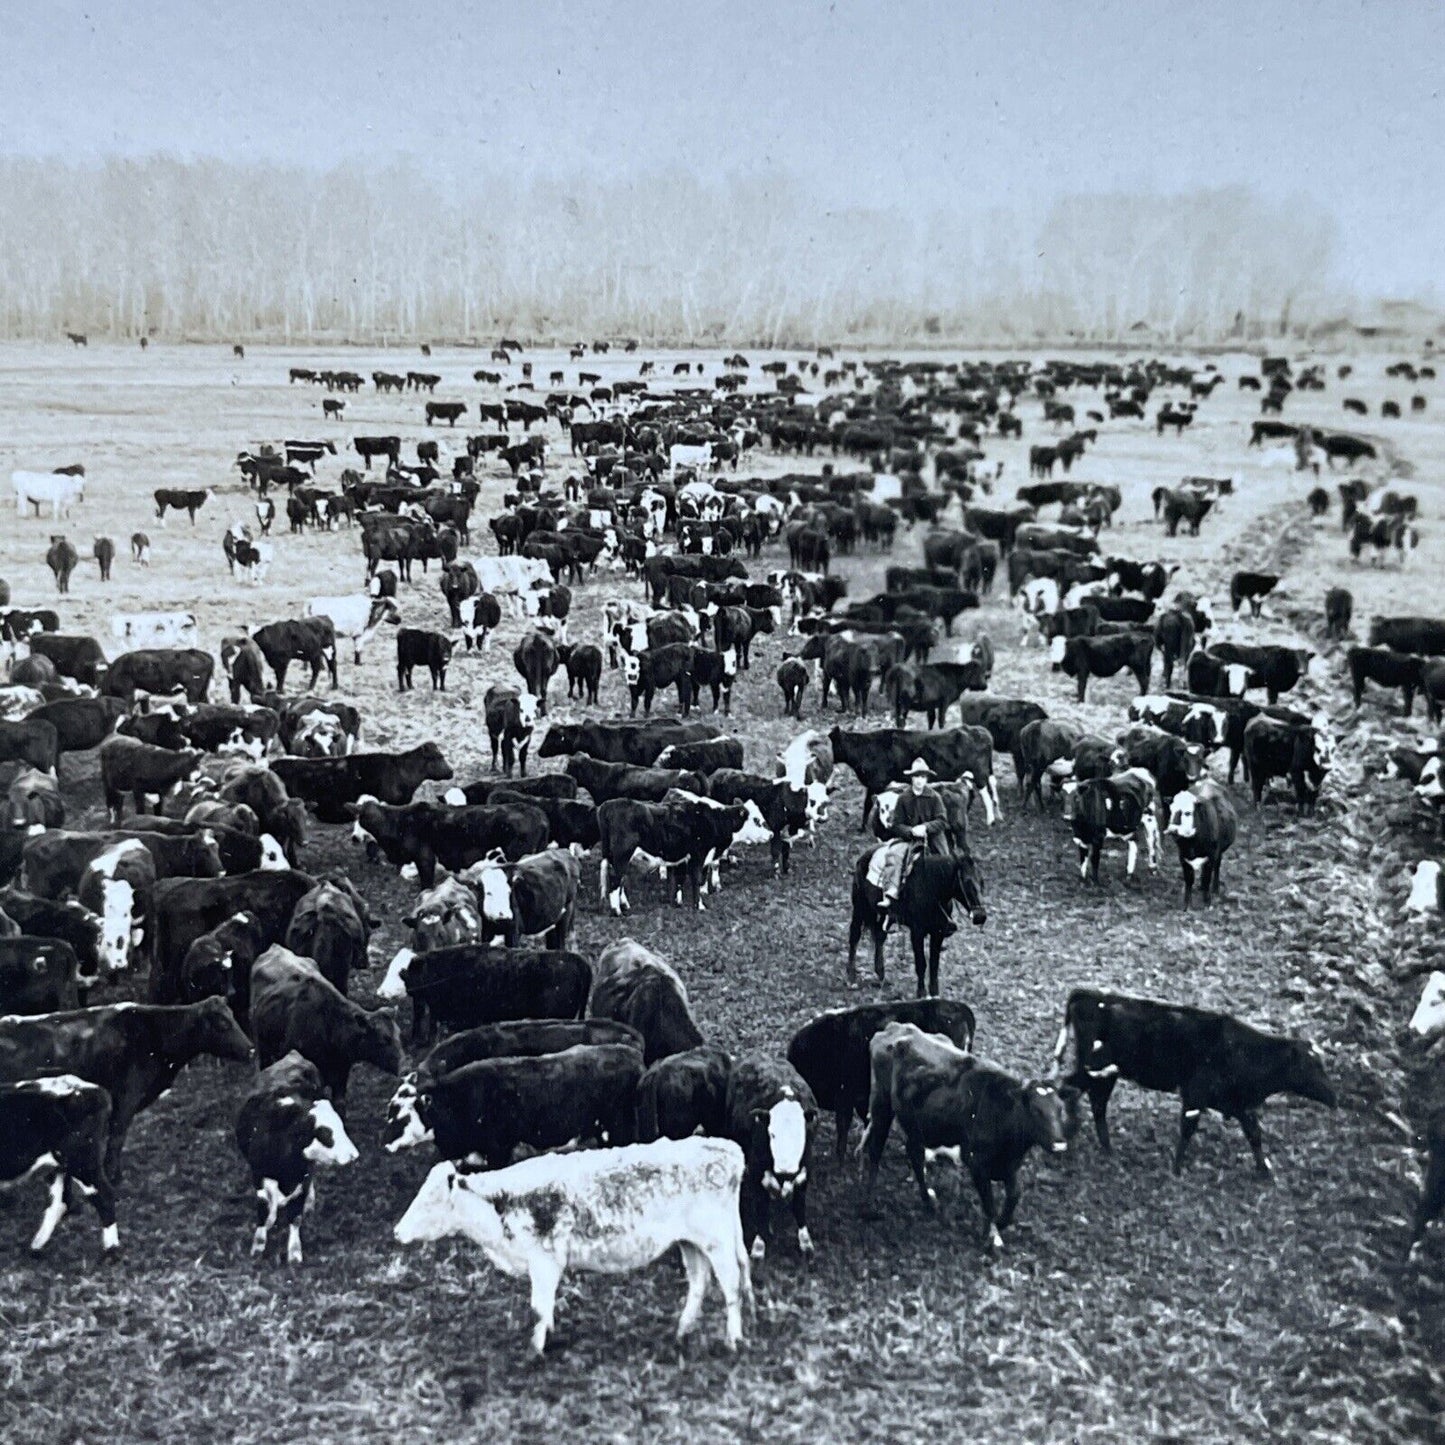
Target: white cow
[[356, 616], [509, 576], [1427, 889], [154, 629], [16, 700], [605, 1211], [679, 455], [56, 490]]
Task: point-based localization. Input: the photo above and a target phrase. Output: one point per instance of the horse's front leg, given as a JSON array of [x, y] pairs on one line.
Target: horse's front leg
[[916, 938]]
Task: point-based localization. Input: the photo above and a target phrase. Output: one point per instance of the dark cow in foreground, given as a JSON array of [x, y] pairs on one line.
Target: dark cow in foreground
[[467, 984], [294, 1007], [56, 1129], [132, 1051], [637, 987], [770, 1115], [1211, 1060], [923, 906], [520, 1039], [831, 1052], [948, 1101], [490, 1108], [285, 1130]]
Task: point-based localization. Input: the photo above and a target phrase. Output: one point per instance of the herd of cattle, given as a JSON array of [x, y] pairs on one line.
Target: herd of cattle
[[196, 923]]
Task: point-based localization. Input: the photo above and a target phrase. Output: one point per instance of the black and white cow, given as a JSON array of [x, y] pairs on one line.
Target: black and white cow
[[1124, 808], [1203, 824]]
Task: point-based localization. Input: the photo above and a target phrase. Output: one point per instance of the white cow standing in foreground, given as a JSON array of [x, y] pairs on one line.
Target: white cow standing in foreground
[[606, 1211]]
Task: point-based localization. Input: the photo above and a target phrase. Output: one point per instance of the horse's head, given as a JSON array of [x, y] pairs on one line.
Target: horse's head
[[968, 887]]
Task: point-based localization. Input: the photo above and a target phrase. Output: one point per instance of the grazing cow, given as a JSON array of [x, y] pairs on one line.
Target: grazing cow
[[1084, 657], [356, 616], [284, 1130], [1251, 587], [62, 560], [331, 927], [294, 1007], [132, 1051], [605, 1210], [1123, 807], [511, 716], [128, 765], [1213, 1061], [31, 741], [771, 1113], [56, 1128], [311, 640], [417, 647], [946, 1100], [330, 785], [464, 985], [639, 988], [55, 490], [180, 500], [684, 1094], [160, 671], [1405, 634], [1387, 668]]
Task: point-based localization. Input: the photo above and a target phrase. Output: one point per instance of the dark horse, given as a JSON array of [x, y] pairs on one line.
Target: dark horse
[[923, 906]]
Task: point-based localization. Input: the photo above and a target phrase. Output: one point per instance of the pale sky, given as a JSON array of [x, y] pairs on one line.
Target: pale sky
[[914, 104]]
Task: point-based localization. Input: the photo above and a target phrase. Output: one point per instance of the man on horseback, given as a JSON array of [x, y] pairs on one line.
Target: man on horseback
[[919, 825]]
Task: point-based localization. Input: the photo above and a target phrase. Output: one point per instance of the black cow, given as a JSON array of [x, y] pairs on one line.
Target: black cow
[[40, 975], [782, 808], [104, 554], [418, 647], [311, 640], [1084, 657], [535, 658], [583, 662], [1003, 717], [946, 1099], [1173, 763], [637, 987], [56, 1129], [1251, 587], [541, 785], [1301, 752], [685, 1094], [1276, 669], [73, 656], [623, 740], [128, 765], [831, 1052], [519, 1039], [331, 926], [62, 559], [883, 756], [606, 781], [293, 1006], [511, 716], [160, 670], [218, 964], [1404, 634], [491, 1107], [703, 757], [686, 832], [770, 1113], [31, 741], [330, 784], [132, 1051], [1211, 1060], [421, 835], [180, 499], [1387, 668], [468, 984], [1339, 610]]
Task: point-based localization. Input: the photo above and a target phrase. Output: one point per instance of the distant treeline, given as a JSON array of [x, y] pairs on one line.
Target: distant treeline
[[214, 250]]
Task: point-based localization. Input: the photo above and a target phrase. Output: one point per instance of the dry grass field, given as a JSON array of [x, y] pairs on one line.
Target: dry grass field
[[1127, 1306]]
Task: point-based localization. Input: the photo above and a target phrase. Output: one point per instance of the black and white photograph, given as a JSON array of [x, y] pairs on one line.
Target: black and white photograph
[[722, 723]]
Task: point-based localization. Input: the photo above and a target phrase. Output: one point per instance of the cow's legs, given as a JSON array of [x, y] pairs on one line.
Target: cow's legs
[[1249, 1123], [984, 1185], [919, 966], [1188, 1127], [546, 1275], [54, 1212], [914, 1149], [800, 1218], [1100, 1089], [696, 1265]]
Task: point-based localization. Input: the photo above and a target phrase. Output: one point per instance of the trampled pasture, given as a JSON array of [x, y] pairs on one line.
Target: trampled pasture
[[1128, 1304]]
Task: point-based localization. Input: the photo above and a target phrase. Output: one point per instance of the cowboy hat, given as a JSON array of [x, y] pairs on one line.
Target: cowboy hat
[[918, 766]]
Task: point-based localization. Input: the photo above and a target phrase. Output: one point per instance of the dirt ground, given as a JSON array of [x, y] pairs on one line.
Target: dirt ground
[[1128, 1304]]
